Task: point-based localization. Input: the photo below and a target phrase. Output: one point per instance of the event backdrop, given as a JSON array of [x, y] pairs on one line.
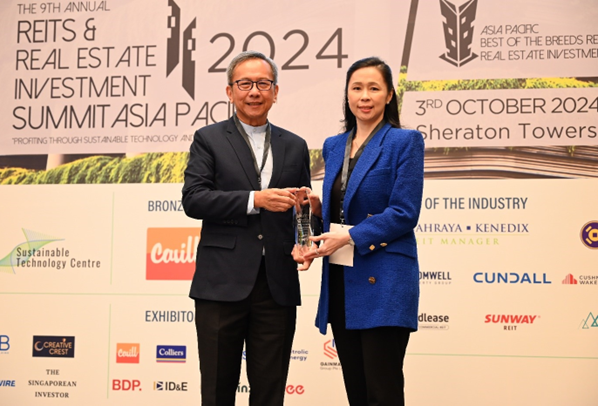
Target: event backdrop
[[99, 104]]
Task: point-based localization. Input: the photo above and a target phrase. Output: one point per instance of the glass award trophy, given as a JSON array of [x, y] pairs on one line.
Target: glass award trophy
[[303, 220]]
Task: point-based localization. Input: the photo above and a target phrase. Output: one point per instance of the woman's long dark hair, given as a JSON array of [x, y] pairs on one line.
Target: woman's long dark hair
[[391, 111]]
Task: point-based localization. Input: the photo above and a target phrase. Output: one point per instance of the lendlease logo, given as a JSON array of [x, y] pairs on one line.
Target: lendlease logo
[[589, 234], [54, 346], [458, 31], [20, 255], [171, 354], [127, 353], [510, 277], [433, 321], [171, 253]]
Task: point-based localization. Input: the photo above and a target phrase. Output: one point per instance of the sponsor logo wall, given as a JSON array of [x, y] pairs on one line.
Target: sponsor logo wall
[[504, 93]]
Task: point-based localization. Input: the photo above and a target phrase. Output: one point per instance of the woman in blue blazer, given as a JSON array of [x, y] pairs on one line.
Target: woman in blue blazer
[[373, 182]]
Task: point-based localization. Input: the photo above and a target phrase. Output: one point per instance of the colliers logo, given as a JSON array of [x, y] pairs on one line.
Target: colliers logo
[[171, 354], [171, 253], [589, 234], [54, 346], [458, 31], [127, 353]]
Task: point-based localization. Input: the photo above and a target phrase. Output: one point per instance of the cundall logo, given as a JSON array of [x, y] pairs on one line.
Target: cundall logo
[[171, 253], [510, 322], [510, 277], [176, 354], [127, 353]]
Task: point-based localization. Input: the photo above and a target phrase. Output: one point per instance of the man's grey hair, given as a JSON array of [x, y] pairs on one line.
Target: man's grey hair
[[244, 56]]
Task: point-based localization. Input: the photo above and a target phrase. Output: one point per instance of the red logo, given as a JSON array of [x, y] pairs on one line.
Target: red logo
[[330, 349], [291, 389], [127, 353], [569, 280], [171, 253], [126, 385], [510, 319]]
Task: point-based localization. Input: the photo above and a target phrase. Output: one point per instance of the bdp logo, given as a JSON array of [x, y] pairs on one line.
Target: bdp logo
[[126, 385], [330, 349], [170, 386], [171, 354], [590, 322], [458, 31], [569, 280], [589, 234], [173, 48], [4, 343], [171, 253], [295, 390], [127, 353], [54, 346]]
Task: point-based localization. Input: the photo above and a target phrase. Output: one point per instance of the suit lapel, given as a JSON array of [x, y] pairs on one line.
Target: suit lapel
[[334, 163], [367, 159], [243, 154], [278, 155]]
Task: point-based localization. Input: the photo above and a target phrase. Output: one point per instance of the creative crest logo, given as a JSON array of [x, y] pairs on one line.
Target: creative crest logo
[[175, 354], [173, 48], [589, 322], [127, 353], [23, 252], [510, 322], [171, 253], [589, 234], [54, 346], [458, 31]]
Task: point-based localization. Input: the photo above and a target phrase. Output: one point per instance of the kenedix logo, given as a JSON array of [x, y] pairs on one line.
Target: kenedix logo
[[176, 354], [167, 386], [589, 322], [510, 277], [589, 234], [458, 31], [54, 346]]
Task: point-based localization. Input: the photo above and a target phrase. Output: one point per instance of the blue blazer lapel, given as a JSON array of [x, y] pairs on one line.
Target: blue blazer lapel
[[243, 153], [367, 159], [334, 163]]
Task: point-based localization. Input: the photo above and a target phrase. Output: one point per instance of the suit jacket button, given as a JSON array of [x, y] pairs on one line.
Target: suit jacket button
[[372, 247], [383, 244], [372, 280], [259, 237]]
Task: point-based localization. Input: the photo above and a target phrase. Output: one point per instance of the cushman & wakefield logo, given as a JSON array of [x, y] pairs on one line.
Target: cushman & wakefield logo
[[176, 354], [458, 31], [510, 322], [171, 253], [581, 280], [127, 353], [54, 346]]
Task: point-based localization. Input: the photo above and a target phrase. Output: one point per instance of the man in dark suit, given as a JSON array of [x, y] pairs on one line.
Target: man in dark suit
[[241, 180]]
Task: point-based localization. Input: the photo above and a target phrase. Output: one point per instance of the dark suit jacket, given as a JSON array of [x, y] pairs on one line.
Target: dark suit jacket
[[218, 178]]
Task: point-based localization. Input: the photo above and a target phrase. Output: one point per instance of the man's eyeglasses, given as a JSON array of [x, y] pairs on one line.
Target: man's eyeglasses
[[246, 85]]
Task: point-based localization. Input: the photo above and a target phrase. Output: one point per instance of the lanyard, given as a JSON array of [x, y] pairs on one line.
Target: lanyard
[[258, 170], [346, 173]]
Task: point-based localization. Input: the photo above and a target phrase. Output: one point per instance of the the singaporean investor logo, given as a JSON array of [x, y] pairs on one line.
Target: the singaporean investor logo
[[458, 31], [171, 253]]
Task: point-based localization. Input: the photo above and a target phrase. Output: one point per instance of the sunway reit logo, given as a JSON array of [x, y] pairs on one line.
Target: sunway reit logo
[[171, 253], [510, 322]]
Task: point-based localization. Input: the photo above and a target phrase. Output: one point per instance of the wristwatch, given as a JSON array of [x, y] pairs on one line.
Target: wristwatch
[[351, 242]]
